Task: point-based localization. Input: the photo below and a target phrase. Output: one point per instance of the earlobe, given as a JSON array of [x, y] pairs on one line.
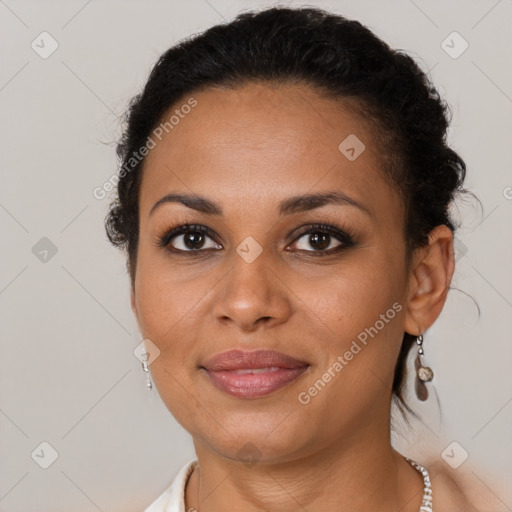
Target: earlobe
[[430, 277]]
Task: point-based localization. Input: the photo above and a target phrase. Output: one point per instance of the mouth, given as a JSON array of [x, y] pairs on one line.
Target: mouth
[[253, 374]]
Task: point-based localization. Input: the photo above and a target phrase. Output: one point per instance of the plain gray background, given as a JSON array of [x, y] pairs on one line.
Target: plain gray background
[[68, 374]]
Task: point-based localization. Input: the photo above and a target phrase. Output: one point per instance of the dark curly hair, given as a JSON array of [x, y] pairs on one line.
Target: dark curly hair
[[338, 57]]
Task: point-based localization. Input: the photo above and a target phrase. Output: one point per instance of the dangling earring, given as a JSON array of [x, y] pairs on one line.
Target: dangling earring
[[145, 367], [423, 373]]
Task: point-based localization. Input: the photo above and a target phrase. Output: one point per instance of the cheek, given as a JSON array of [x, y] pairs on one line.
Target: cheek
[[164, 299], [166, 310], [359, 313], [172, 311], [353, 380], [353, 298]]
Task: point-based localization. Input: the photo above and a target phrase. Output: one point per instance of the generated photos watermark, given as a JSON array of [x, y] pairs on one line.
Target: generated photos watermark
[[178, 114], [305, 397]]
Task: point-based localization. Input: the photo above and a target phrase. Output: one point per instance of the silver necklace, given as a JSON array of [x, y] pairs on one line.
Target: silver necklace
[[426, 502]]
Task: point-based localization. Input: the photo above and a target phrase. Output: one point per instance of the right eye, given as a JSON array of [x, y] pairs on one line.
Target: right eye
[[188, 238]]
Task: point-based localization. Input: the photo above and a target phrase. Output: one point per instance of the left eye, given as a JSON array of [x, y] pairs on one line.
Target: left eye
[[322, 240], [319, 241]]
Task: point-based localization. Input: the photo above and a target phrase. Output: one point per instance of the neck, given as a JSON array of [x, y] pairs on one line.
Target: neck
[[357, 474]]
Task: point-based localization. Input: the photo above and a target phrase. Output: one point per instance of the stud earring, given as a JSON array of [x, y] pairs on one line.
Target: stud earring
[[145, 367], [423, 373]]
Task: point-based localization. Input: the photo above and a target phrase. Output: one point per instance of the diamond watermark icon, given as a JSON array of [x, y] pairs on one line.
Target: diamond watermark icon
[[249, 249], [459, 248], [147, 351], [45, 455], [249, 454], [44, 45], [351, 147], [454, 455], [44, 250], [454, 45]]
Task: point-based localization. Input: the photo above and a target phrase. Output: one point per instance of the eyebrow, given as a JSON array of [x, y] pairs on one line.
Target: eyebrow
[[294, 204]]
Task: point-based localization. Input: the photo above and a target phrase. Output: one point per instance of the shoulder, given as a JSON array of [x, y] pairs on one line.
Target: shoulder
[[465, 491]]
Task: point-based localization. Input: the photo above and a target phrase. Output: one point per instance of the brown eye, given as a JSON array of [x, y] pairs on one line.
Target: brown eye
[[189, 238], [323, 239], [319, 241]]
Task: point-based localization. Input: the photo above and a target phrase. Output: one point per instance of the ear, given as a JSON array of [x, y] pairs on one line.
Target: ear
[[430, 276]]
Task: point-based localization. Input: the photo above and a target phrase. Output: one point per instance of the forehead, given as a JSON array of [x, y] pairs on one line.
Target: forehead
[[263, 142]]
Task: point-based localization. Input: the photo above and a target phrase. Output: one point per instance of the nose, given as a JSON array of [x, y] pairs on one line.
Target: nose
[[252, 295]]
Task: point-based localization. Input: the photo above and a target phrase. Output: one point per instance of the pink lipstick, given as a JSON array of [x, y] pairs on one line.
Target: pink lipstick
[[252, 374]]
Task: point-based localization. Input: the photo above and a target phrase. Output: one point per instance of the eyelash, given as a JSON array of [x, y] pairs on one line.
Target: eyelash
[[344, 236]]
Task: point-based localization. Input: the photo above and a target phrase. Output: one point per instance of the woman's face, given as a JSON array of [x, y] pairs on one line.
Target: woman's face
[[259, 279]]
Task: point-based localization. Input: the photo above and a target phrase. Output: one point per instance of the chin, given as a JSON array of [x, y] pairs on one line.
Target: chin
[[251, 440]]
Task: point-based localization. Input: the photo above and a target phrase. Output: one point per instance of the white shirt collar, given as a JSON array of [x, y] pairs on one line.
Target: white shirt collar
[[173, 498]]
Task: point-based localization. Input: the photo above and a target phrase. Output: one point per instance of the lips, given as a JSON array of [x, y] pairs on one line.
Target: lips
[[253, 374], [242, 360]]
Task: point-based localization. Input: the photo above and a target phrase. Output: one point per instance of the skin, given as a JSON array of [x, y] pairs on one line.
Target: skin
[[247, 149]]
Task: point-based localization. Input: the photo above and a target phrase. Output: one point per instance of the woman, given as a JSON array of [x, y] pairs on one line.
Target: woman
[[283, 200]]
